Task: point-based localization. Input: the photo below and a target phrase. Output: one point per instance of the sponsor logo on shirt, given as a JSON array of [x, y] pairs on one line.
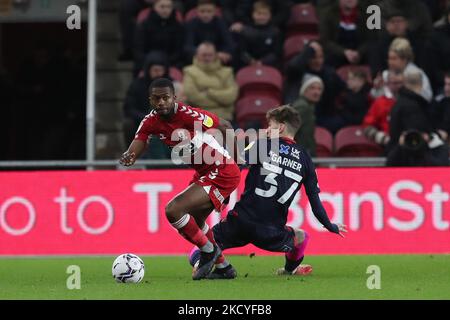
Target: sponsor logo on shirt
[[284, 149], [208, 122], [295, 153]]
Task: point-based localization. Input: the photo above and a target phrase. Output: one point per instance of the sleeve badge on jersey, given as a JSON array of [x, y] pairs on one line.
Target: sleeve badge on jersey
[[208, 122]]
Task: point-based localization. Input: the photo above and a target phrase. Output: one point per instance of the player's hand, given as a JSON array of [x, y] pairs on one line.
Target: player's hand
[[342, 229], [127, 159]]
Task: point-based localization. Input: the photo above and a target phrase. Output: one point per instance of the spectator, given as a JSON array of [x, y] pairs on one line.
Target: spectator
[[416, 11], [208, 27], [209, 84], [396, 25], [414, 141], [441, 110], [311, 60], [240, 13], [400, 59], [260, 42], [160, 31], [441, 48], [376, 121], [355, 100], [234, 12], [137, 105], [128, 12], [343, 30], [309, 95]]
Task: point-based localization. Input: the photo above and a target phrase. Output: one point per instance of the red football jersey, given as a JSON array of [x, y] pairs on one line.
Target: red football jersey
[[187, 133]]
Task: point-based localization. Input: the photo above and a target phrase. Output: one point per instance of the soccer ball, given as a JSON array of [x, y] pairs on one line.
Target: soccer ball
[[128, 268]]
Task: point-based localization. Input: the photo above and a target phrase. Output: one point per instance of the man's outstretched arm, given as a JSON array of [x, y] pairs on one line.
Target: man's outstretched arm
[[134, 151], [321, 215]]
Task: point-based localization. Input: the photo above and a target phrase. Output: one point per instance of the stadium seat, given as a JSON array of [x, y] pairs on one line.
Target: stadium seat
[[176, 74], [344, 70], [324, 142], [260, 80], [252, 109], [143, 14], [295, 44], [303, 19], [351, 142], [191, 14]]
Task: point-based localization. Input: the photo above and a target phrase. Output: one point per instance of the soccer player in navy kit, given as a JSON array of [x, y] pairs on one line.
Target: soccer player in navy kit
[[260, 216]]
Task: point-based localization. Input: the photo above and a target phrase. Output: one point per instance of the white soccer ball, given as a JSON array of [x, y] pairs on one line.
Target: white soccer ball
[[128, 268]]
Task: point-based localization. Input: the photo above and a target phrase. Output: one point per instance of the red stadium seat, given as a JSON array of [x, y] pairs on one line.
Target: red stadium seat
[[252, 109], [176, 74], [143, 14], [260, 80], [324, 142], [295, 44], [191, 14], [351, 142], [303, 19], [344, 70]]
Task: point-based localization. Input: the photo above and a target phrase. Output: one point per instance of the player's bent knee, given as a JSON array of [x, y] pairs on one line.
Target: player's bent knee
[[299, 236]]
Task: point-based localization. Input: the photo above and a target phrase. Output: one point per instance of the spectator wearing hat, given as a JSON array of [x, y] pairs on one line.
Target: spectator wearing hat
[[416, 11], [311, 60], [310, 94]]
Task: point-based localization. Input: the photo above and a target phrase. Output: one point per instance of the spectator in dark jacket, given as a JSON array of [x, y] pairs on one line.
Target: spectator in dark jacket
[[396, 25], [260, 42], [234, 12], [207, 27], [311, 60], [161, 32], [137, 105], [355, 100], [441, 49], [414, 139], [343, 30], [243, 13], [128, 12], [441, 110], [416, 11]]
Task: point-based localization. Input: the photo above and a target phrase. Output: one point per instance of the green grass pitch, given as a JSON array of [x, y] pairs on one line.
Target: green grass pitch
[[168, 277]]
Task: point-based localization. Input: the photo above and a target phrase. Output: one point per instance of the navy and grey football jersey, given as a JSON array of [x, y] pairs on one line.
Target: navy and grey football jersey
[[273, 180]]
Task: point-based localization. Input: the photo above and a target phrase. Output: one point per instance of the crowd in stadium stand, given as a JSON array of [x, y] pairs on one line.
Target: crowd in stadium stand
[[368, 90]]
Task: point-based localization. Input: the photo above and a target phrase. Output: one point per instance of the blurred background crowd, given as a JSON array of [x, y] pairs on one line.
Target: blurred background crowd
[[360, 92]]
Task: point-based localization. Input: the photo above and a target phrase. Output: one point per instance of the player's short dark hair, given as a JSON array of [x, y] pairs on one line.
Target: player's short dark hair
[[287, 115], [161, 83]]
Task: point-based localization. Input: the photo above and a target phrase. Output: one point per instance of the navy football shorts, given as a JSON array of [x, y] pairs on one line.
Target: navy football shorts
[[233, 231]]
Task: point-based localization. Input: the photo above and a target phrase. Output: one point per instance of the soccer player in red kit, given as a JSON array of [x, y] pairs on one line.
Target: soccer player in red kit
[[213, 181]]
